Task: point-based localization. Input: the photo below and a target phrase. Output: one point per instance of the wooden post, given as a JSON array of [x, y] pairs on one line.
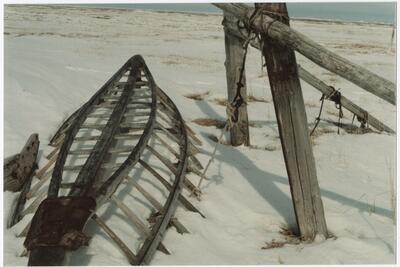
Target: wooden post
[[234, 56], [318, 84], [293, 130], [285, 35]]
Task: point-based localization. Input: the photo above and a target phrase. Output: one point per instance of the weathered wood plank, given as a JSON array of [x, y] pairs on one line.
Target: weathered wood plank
[[186, 203], [293, 130], [128, 253], [89, 171], [137, 222], [20, 168], [281, 33], [234, 52], [175, 222], [346, 103], [316, 83]]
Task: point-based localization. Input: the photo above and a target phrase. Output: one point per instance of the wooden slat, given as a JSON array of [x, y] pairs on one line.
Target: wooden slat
[[35, 204], [186, 203], [24, 231], [136, 221], [54, 151], [175, 222], [128, 253], [88, 173], [113, 166], [39, 184], [190, 186]]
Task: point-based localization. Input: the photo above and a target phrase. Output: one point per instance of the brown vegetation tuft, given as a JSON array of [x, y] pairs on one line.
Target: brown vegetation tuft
[[198, 96], [210, 122], [250, 98]]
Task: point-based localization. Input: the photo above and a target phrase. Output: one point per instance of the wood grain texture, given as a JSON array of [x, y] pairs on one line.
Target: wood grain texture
[[293, 130], [20, 168], [346, 103], [318, 84], [234, 52], [281, 33]]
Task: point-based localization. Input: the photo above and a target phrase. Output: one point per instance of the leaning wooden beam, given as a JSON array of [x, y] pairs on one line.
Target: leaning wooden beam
[[346, 103], [318, 84], [286, 36], [233, 63], [293, 130]]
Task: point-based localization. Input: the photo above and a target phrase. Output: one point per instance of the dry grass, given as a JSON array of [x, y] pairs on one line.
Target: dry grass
[[198, 96], [224, 102], [221, 101], [273, 244], [219, 124], [289, 238], [358, 130], [269, 147], [319, 131]]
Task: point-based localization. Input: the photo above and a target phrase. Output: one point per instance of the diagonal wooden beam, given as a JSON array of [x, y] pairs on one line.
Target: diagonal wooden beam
[[286, 36]]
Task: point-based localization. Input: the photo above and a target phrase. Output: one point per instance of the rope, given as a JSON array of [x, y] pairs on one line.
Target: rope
[[317, 119], [232, 108], [336, 97], [238, 100], [203, 175]]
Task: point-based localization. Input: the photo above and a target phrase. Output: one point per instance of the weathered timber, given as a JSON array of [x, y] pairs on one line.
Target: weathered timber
[[306, 76], [151, 243], [174, 221], [92, 165], [71, 127], [234, 51], [346, 103], [281, 33], [101, 186], [293, 130], [186, 203], [42, 171], [20, 168], [128, 253], [137, 222]]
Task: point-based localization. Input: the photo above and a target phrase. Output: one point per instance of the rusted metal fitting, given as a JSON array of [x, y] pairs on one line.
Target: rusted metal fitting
[[59, 222]]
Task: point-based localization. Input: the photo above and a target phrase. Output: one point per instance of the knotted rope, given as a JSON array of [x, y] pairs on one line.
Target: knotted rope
[[334, 96], [232, 108]]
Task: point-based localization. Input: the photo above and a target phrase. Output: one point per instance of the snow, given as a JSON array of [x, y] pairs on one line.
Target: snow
[[57, 57]]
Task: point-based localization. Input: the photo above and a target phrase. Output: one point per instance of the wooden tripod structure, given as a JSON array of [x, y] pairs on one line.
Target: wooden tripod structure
[[278, 45]]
